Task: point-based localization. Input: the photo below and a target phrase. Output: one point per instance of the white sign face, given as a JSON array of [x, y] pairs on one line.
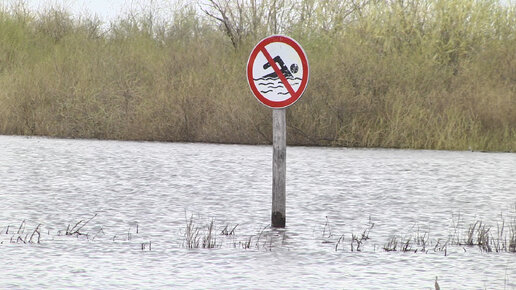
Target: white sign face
[[277, 71]]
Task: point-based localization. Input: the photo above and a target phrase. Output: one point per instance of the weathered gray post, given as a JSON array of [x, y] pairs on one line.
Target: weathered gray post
[[277, 73], [279, 167]]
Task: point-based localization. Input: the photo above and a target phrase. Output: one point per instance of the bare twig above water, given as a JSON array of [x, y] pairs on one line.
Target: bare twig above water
[[75, 230]]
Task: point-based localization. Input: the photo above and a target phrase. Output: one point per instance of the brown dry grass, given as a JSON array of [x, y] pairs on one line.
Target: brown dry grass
[[434, 74]]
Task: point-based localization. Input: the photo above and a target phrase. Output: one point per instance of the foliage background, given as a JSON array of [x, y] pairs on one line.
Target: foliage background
[[432, 74]]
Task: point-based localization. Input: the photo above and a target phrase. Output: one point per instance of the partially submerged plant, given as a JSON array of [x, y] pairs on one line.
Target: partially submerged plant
[[21, 236], [195, 237], [192, 239], [227, 232], [206, 236], [326, 234], [512, 238], [356, 241], [25, 234], [76, 229], [392, 244]]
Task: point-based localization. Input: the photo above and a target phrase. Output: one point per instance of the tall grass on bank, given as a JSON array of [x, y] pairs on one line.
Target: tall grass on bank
[[434, 74]]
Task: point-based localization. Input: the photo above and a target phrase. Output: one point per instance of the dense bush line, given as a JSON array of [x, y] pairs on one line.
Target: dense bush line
[[435, 74]]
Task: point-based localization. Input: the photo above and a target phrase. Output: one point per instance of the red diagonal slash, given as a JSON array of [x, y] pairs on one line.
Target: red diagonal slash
[[278, 72]]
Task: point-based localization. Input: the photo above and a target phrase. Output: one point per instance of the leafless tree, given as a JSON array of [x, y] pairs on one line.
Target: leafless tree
[[242, 18]]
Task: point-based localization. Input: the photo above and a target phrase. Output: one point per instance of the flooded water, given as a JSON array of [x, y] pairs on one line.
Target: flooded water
[[125, 206]]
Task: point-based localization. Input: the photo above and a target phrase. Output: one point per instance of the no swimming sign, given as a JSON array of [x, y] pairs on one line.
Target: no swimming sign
[[277, 71]]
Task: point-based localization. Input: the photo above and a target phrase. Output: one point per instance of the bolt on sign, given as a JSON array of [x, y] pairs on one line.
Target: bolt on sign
[[277, 71]]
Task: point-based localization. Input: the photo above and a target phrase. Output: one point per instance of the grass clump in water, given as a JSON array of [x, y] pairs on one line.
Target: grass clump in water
[[39, 234], [480, 235], [199, 237]]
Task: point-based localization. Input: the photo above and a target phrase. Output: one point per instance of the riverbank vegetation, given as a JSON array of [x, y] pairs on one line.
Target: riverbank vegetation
[[433, 74]]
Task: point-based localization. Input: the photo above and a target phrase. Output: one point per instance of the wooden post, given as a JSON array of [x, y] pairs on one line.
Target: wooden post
[[279, 167]]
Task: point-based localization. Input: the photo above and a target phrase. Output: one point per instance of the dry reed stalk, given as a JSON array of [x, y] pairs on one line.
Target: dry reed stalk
[[415, 74]]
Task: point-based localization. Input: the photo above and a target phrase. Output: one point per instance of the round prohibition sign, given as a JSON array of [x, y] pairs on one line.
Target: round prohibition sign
[[277, 71]]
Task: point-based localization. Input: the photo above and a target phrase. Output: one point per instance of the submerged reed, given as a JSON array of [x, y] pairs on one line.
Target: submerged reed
[[39, 234], [198, 234], [478, 234], [195, 237], [208, 235]]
